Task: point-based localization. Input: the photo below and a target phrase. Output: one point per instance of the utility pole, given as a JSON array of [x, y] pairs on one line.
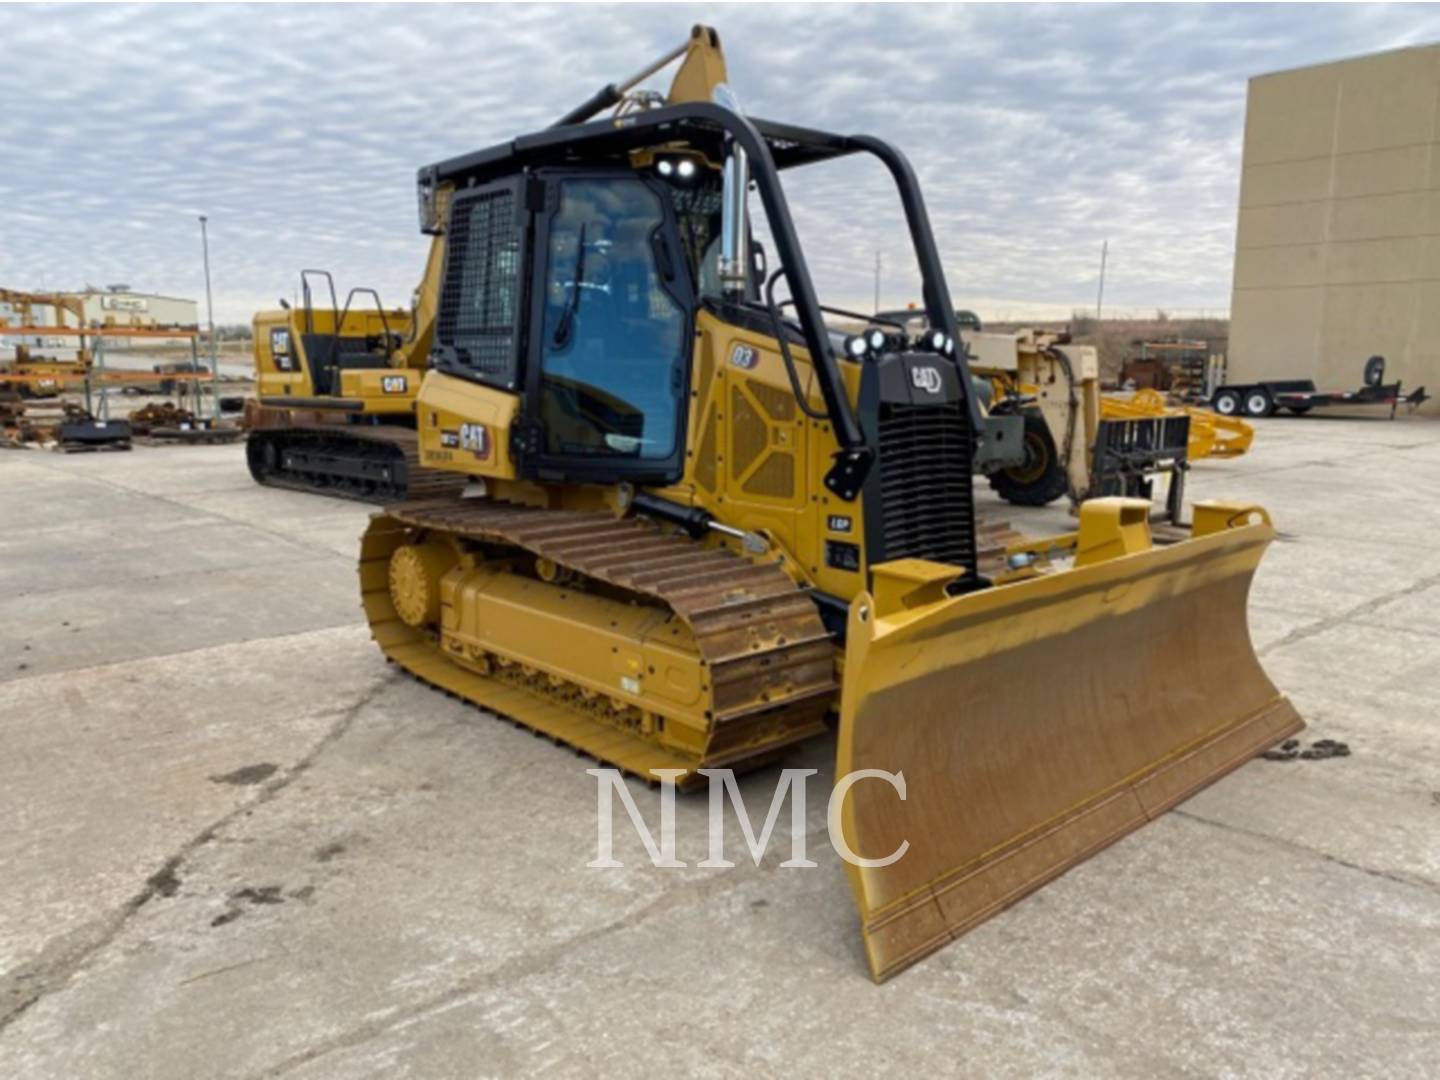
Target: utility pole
[[210, 317], [1100, 296], [877, 282]]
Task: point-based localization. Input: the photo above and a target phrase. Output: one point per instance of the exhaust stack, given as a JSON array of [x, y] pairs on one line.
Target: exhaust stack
[[734, 227]]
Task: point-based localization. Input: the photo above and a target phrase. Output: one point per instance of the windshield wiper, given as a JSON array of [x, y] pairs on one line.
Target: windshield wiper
[[565, 326]]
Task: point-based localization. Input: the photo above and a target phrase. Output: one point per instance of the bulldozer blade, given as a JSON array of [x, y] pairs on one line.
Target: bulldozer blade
[[1034, 723]]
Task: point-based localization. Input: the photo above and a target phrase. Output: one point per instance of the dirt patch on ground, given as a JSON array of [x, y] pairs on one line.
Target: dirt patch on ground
[[248, 774]]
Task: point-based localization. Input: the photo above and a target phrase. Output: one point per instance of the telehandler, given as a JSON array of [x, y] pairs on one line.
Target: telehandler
[[698, 523], [1084, 443], [1066, 437]]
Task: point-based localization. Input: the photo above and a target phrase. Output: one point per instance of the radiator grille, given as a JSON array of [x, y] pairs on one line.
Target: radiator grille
[[925, 501], [478, 298]]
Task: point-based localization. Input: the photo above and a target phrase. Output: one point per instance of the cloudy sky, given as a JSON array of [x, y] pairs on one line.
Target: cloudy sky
[[1037, 131]]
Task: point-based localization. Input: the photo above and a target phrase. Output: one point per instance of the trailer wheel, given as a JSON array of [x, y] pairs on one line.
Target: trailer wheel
[[1258, 403], [1038, 480], [1227, 402]]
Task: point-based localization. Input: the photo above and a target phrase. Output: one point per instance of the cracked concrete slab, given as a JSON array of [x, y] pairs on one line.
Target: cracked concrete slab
[[242, 846], [152, 615], [1089, 979], [146, 753]]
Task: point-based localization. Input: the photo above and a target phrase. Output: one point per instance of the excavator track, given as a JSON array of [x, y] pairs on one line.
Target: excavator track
[[373, 463], [765, 663]]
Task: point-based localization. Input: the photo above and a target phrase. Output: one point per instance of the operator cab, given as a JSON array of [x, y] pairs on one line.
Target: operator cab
[[579, 257]]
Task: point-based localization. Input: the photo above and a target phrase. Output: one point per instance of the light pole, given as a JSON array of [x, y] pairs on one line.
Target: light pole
[[210, 317], [1100, 293]]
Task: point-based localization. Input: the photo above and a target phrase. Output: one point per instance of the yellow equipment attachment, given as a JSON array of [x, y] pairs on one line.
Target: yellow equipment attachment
[[1039, 721], [698, 522], [1211, 435]]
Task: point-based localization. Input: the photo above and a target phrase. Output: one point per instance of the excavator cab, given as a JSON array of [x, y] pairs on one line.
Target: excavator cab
[[703, 518], [313, 357], [334, 411]]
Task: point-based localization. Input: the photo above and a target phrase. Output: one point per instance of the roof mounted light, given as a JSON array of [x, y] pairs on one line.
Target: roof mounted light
[[935, 339], [875, 338], [856, 346], [677, 168]]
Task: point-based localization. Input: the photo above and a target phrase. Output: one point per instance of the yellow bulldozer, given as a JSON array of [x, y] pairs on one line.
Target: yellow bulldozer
[[699, 523], [334, 410]]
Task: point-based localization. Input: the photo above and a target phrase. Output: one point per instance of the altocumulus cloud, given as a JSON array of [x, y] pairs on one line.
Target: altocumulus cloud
[[1037, 131]]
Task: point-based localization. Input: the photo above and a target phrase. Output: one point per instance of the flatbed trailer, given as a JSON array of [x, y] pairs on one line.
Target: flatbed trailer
[[1299, 396]]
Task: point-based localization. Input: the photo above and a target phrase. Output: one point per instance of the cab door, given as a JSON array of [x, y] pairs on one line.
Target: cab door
[[612, 312]]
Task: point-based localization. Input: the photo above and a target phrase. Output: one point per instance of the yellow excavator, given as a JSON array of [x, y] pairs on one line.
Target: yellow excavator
[[699, 523], [334, 411]]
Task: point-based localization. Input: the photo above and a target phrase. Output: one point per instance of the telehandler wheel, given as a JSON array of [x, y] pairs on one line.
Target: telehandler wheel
[[1040, 479]]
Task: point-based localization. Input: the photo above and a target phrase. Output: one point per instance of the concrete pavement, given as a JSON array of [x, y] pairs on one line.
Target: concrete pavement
[[242, 846]]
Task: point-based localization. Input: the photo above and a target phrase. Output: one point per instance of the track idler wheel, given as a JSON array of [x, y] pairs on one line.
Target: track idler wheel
[[415, 573]]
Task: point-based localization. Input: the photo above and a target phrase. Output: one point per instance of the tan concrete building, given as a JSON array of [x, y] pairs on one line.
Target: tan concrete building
[[1338, 248], [118, 305]]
